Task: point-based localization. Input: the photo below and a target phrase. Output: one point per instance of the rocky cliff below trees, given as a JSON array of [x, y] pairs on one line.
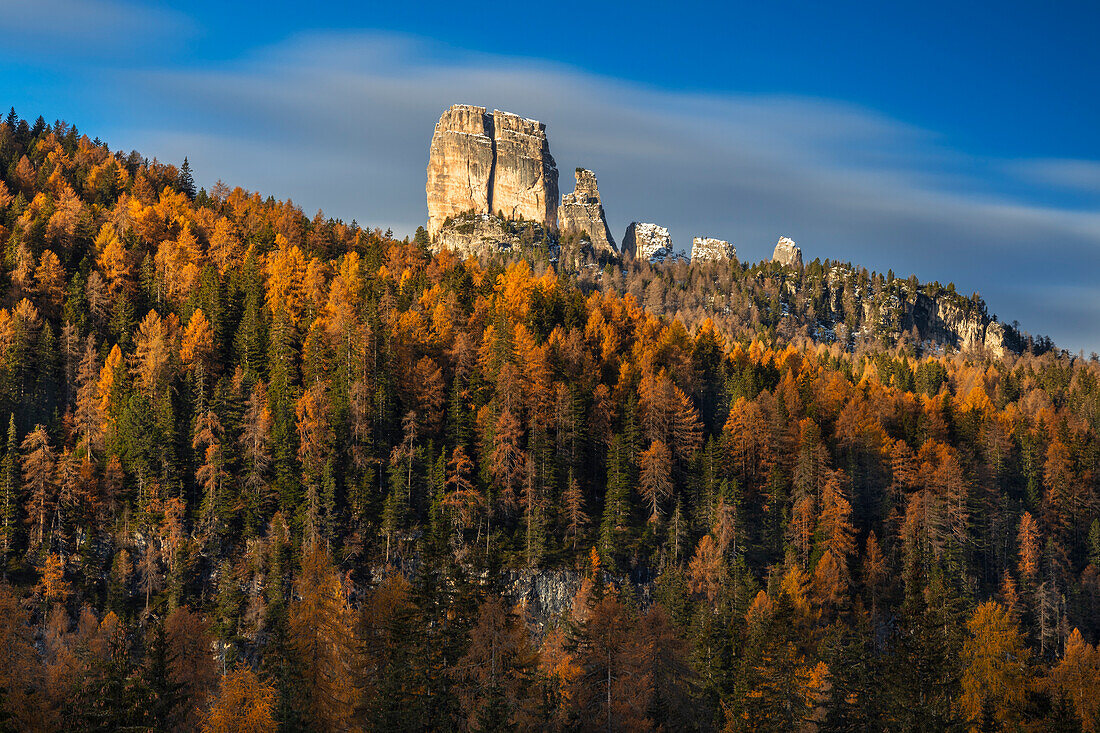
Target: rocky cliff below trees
[[902, 309], [825, 302], [939, 320]]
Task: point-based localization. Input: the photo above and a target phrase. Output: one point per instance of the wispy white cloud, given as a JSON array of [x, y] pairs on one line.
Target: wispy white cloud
[[92, 26], [1079, 175], [343, 121]]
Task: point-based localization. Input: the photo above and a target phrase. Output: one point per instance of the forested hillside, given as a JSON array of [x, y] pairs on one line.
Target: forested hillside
[[264, 470]]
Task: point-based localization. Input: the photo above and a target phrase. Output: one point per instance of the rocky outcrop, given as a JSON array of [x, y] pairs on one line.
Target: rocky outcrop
[[525, 177], [709, 249], [787, 253], [477, 234], [581, 214], [942, 320], [543, 595], [482, 163], [930, 316], [996, 339], [644, 241], [460, 165]]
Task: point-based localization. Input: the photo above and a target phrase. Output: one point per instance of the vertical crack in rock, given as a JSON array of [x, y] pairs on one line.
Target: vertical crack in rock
[[482, 164], [645, 241], [460, 165]]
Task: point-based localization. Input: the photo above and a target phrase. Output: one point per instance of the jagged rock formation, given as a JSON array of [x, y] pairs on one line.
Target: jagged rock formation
[[939, 319], [493, 187], [475, 234], [581, 213], [787, 253], [996, 339], [663, 256], [544, 595], [709, 249], [487, 164], [525, 177], [645, 241], [460, 165], [942, 321]]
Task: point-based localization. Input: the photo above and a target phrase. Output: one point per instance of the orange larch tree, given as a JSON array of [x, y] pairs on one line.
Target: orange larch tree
[[994, 665], [244, 704]]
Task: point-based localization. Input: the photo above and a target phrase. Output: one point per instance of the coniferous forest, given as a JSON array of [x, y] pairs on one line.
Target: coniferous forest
[[264, 471]]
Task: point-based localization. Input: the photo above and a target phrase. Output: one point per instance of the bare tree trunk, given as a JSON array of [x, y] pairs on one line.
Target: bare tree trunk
[[609, 688]]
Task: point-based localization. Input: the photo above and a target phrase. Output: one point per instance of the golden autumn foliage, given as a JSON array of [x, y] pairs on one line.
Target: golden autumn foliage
[[356, 483], [113, 259], [106, 380], [54, 587], [285, 270], [152, 352], [244, 705], [198, 340], [1027, 539], [994, 665], [319, 632], [706, 571], [49, 279], [1076, 677]]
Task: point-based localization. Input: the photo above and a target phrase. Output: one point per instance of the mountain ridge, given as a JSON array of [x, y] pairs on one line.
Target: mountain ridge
[[474, 225]]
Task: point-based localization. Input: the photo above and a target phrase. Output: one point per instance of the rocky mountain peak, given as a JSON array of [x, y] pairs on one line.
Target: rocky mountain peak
[[647, 241], [581, 213], [709, 249], [787, 253], [525, 176], [460, 165], [485, 164]]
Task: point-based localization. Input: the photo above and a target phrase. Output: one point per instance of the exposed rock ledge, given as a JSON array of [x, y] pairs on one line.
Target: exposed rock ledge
[[477, 234], [938, 319], [644, 241], [709, 249], [546, 594]]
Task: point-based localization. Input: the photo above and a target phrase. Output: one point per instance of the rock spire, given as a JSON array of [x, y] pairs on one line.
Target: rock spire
[[581, 213], [787, 253]]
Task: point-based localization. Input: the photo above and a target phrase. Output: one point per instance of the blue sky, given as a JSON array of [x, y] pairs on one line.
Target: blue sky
[[956, 141]]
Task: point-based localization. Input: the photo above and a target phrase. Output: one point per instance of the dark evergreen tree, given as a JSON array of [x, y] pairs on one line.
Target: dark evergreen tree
[[186, 180]]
